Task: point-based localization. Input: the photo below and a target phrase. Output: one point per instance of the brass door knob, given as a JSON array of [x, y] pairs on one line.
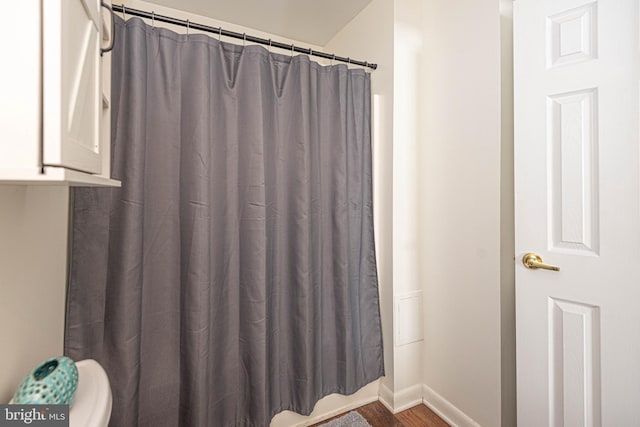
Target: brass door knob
[[534, 262]]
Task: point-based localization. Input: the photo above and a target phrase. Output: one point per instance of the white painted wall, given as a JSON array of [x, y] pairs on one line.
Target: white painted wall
[[33, 263], [407, 257], [444, 202], [466, 247]]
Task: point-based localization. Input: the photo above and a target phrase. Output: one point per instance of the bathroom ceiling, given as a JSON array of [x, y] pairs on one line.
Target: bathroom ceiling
[[310, 21]]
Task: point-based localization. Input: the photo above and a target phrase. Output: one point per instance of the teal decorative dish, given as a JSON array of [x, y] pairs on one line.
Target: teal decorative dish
[[54, 382]]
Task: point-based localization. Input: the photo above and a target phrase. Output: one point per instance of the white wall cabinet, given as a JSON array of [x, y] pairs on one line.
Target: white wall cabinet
[[55, 93]]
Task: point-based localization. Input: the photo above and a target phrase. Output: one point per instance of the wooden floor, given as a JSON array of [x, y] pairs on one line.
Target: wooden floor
[[379, 416]]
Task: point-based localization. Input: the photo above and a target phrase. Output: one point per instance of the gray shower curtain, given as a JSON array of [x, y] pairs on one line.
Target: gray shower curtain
[[233, 275]]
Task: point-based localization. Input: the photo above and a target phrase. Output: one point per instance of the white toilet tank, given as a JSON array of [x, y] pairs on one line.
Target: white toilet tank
[[92, 404]]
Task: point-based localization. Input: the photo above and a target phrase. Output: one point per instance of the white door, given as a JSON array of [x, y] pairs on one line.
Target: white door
[[577, 206], [72, 84]]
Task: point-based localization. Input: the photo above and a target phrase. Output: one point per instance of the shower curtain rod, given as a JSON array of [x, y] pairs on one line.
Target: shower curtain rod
[[242, 36]]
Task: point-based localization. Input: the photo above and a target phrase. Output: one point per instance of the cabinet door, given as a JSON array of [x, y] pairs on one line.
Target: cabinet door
[[72, 95]]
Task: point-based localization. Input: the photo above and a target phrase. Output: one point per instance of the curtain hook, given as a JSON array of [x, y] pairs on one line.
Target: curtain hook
[[333, 59], [292, 47], [153, 19], [269, 45], [244, 39], [124, 13], [348, 61], [219, 33]]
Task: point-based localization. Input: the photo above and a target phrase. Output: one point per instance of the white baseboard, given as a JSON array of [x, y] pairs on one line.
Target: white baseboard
[[407, 398], [445, 409], [385, 396], [401, 400]]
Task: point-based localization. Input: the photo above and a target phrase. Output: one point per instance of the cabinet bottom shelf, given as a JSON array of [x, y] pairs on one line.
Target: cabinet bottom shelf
[[54, 176]]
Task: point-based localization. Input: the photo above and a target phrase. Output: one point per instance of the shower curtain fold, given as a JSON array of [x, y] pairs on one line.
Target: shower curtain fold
[[233, 275]]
